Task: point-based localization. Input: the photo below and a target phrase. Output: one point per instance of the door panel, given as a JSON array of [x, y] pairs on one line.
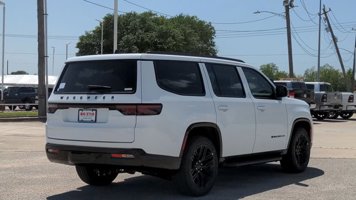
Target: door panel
[[271, 113], [235, 112]]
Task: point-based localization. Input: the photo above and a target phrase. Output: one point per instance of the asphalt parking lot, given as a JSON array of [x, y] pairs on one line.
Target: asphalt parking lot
[[25, 172]]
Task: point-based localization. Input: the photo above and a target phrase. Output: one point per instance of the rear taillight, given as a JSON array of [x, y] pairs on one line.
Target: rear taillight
[[125, 109], [291, 94], [140, 109], [324, 98], [52, 107], [351, 99]]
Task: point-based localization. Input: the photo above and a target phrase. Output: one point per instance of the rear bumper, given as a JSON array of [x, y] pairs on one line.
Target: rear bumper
[[328, 107], [73, 155], [351, 108]]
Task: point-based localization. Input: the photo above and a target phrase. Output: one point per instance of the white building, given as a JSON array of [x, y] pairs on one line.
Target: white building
[[26, 80]]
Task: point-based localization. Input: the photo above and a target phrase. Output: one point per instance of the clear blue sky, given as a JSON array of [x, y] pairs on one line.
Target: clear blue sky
[[260, 40]]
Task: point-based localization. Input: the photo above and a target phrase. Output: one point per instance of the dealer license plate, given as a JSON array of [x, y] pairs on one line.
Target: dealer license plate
[[87, 115]]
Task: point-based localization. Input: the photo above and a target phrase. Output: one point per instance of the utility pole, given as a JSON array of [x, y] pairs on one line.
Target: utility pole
[[42, 111], [3, 52], [67, 50], [53, 52], [287, 5], [336, 47], [353, 68], [115, 25], [318, 73]]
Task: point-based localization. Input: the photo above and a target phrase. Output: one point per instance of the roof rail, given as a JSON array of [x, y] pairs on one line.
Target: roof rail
[[191, 54]]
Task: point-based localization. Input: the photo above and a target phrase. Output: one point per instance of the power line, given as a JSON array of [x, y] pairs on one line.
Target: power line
[[54, 37], [135, 4], [100, 5], [338, 24], [309, 13], [226, 33], [306, 9], [296, 33], [301, 18], [301, 46], [244, 22]]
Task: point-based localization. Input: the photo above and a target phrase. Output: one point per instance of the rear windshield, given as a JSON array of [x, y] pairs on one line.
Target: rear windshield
[[109, 76]]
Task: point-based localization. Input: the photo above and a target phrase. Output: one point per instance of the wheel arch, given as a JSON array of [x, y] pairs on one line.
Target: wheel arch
[[302, 123], [205, 129]]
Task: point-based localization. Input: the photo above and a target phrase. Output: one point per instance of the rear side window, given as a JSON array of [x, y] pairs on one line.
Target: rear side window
[[310, 86], [326, 88], [299, 85], [225, 80], [179, 77], [104, 76]]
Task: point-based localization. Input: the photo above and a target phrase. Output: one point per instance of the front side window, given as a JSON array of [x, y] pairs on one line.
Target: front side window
[[179, 77], [104, 76], [259, 86], [225, 80]]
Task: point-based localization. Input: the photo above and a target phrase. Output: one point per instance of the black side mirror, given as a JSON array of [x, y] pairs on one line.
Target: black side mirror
[[281, 91]]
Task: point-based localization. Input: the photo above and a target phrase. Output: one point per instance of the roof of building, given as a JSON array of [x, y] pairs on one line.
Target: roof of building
[[26, 80]]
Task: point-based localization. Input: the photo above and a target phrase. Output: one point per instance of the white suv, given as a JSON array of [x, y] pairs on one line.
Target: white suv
[[172, 116]]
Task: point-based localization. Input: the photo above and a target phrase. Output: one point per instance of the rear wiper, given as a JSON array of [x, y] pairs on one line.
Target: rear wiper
[[99, 87]]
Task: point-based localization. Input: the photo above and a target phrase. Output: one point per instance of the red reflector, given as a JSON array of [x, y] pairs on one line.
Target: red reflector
[[52, 107], [149, 109], [324, 98], [119, 155], [291, 94], [351, 99], [127, 109], [52, 150], [140, 109]]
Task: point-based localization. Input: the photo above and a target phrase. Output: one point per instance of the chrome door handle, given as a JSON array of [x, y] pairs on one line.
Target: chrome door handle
[[223, 108], [261, 108]]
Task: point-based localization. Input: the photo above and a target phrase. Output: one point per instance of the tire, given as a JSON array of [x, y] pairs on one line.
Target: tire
[[333, 115], [96, 175], [297, 158], [320, 116], [12, 107], [199, 168], [346, 115], [28, 107]]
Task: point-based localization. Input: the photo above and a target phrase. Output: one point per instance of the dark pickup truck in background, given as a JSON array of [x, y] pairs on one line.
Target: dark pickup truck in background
[[22, 97], [298, 90]]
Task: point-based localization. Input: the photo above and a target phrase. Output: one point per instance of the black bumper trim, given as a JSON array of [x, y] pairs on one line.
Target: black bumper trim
[[73, 155]]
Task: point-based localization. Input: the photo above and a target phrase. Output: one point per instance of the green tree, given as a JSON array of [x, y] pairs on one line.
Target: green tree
[[271, 71], [19, 72], [149, 32], [331, 75]]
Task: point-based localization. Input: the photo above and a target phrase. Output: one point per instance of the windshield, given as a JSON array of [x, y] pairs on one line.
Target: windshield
[[106, 76]]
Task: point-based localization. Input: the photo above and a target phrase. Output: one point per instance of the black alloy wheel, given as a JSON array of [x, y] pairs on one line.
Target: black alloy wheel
[[297, 158], [199, 168], [346, 115]]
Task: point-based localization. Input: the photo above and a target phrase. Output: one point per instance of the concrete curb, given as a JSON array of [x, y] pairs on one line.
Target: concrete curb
[[22, 119]]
